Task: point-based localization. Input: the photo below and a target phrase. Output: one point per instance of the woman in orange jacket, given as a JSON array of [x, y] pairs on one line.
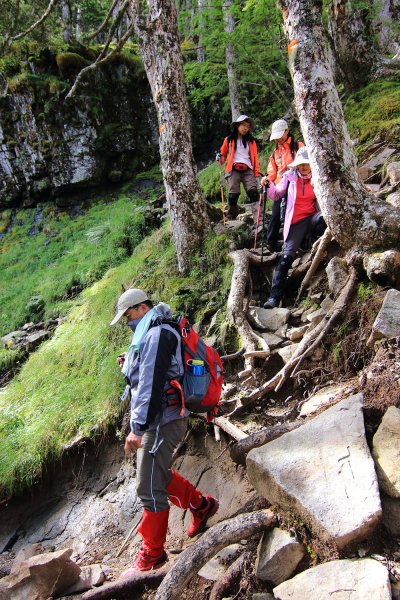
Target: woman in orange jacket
[[285, 152], [239, 152]]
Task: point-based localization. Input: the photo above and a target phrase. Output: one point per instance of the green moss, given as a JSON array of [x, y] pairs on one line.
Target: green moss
[[375, 111], [70, 63]]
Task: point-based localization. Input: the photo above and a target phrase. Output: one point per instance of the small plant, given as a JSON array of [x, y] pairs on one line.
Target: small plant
[[365, 290], [34, 309]]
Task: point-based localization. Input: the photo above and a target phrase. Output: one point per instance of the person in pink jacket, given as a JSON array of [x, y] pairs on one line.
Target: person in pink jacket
[[302, 217]]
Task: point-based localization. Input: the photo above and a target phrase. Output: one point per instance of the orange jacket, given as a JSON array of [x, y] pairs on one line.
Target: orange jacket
[[228, 150], [280, 159]]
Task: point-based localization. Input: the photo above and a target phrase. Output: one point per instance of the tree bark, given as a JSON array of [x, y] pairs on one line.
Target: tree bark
[[388, 15], [356, 218], [66, 18], [216, 538], [159, 47], [231, 61], [353, 42]]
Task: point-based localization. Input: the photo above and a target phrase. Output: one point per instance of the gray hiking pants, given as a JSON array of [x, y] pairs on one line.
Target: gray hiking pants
[[154, 462]]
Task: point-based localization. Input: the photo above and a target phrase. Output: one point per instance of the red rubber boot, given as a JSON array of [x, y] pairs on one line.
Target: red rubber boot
[[153, 529]]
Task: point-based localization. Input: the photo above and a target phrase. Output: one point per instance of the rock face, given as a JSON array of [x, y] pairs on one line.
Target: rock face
[[324, 472], [340, 579], [278, 555], [337, 272], [386, 452], [49, 146]]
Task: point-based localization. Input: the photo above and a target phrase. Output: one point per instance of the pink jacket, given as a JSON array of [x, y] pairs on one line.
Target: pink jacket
[[275, 192]]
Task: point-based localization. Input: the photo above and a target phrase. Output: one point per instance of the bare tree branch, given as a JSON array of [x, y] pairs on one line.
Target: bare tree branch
[[39, 22], [104, 23], [99, 61]]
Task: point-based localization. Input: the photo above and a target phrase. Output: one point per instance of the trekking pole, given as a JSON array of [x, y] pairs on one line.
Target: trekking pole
[[221, 185], [264, 198], [258, 218]]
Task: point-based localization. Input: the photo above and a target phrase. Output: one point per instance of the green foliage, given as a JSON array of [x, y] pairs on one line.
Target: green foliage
[[375, 111], [34, 309], [64, 255], [365, 290]]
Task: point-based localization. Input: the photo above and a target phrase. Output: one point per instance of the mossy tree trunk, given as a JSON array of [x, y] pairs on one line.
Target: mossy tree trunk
[[356, 218], [159, 45]]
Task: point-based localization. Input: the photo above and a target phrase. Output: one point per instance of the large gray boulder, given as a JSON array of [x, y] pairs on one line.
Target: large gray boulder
[[386, 452], [339, 579], [324, 472], [270, 319]]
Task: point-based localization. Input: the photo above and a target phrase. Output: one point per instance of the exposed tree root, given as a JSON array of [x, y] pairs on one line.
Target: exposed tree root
[[216, 538], [310, 341], [252, 341], [239, 450], [236, 433], [323, 244], [234, 356], [230, 576], [119, 588]]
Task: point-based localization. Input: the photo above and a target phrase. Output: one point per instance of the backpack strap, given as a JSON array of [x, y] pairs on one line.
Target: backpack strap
[[177, 386]]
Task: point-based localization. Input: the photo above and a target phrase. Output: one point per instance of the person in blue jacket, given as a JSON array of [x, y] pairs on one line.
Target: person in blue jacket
[[158, 425]]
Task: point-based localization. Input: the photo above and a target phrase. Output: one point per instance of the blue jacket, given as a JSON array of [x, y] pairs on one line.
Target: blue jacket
[[158, 360]]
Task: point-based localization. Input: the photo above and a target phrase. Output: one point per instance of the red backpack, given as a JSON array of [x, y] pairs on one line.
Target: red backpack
[[199, 393]]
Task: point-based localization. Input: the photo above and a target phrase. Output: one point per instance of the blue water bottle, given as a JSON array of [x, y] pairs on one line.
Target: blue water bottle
[[197, 367]]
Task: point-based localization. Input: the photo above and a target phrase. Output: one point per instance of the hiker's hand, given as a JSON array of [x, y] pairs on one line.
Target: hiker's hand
[[132, 443], [121, 359], [264, 180], [218, 157]]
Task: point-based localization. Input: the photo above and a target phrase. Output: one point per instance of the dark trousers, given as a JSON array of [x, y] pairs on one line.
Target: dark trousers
[[274, 224]]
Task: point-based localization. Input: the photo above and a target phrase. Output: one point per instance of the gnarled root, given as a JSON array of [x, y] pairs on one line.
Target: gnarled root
[[119, 588], [230, 576], [319, 255], [216, 538]]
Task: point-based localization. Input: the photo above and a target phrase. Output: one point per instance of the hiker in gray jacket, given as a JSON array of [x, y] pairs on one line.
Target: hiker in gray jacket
[[158, 424]]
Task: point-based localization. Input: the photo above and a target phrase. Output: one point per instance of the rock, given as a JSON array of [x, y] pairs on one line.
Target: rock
[[383, 267], [11, 339], [42, 576], [387, 322], [324, 472], [325, 397], [327, 303], [90, 576], [268, 318], [364, 172], [305, 314], [28, 551], [272, 340], [394, 199], [217, 566], [33, 340], [316, 316], [278, 555], [342, 579], [379, 158], [391, 514], [263, 596], [296, 333], [386, 452], [393, 172], [287, 352], [337, 272]]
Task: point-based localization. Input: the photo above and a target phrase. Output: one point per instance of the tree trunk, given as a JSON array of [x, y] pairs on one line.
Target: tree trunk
[[231, 61], [352, 35], [356, 218], [200, 50], [387, 17], [66, 18], [159, 46]]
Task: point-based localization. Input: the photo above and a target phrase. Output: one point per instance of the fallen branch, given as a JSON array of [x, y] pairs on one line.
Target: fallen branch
[[216, 538], [236, 433], [323, 244], [309, 342], [252, 341], [257, 354], [239, 450], [120, 587], [230, 576]]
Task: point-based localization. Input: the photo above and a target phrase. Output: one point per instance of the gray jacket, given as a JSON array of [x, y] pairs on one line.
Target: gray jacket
[[158, 360]]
